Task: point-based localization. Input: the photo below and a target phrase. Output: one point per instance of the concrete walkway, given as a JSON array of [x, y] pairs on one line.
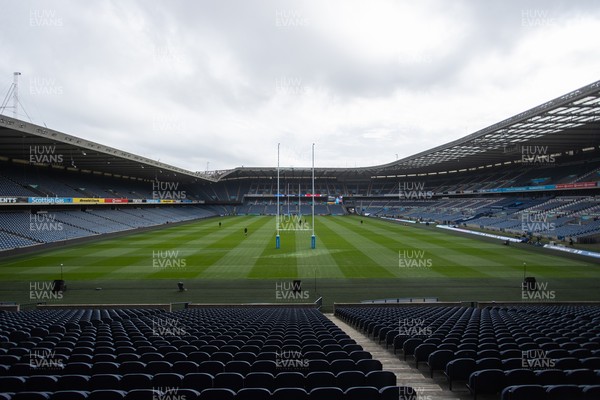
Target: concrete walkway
[[406, 373]]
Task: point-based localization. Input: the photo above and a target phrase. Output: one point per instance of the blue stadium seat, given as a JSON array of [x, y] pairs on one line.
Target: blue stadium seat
[[12, 383], [41, 383], [264, 366], [289, 393], [198, 381], [253, 394], [142, 394], [69, 395], [31, 396], [320, 379], [487, 381], [136, 381], [459, 370], [409, 346], [229, 380], [73, 382], [523, 392], [362, 392], [581, 377], [239, 366], [422, 352], [217, 394], [108, 394], [104, 381], [167, 379], [347, 379], [260, 380], [289, 379], [329, 393], [590, 392], [342, 365], [521, 376], [131, 367], [380, 379], [438, 360], [550, 377], [367, 366], [561, 392]]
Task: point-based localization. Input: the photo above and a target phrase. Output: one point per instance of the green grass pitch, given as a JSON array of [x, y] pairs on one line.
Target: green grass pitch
[[352, 262]]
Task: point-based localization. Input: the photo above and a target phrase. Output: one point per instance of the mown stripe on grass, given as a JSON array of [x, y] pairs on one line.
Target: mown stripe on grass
[[242, 251], [456, 256], [318, 262], [273, 262], [410, 261], [359, 256]]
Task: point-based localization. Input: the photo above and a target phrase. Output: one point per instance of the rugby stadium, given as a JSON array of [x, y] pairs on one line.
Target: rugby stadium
[[470, 270]]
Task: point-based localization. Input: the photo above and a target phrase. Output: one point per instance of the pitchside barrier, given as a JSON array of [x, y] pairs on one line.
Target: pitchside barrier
[[403, 300], [483, 304], [176, 306], [9, 307], [478, 304], [438, 304], [318, 304], [166, 307], [254, 305]]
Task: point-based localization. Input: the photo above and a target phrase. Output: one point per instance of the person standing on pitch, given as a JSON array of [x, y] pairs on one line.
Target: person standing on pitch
[[246, 232]]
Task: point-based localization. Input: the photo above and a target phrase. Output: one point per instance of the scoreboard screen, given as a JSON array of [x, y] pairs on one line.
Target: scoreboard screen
[[335, 199]]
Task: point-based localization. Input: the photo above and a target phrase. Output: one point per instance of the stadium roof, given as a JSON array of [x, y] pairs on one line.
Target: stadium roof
[[567, 123], [19, 139]]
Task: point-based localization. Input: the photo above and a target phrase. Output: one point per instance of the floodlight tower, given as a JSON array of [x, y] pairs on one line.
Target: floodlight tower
[[277, 238], [16, 94], [313, 239]]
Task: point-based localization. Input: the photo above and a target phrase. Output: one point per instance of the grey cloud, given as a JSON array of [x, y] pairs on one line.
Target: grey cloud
[[224, 81]]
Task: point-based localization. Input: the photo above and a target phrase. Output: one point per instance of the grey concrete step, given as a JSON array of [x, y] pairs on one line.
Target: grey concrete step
[[407, 374]]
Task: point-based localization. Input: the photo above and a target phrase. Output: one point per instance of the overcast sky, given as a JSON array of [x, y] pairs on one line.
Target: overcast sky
[[192, 82]]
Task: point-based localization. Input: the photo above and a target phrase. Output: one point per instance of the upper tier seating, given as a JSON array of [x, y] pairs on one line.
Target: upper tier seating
[[21, 229]]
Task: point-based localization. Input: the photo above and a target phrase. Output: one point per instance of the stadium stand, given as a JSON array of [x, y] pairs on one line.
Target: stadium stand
[[11, 241], [269, 352], [495, 349], [234, 352], [459, 199], [21, 229]]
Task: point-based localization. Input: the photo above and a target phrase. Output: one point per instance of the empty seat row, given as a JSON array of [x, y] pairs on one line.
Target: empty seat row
[[494, 380], [197, 381], [551, 392], [321, 393], [198, 349], [55, 366]]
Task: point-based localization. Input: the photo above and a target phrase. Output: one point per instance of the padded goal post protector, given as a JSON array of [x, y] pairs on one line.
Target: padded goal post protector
[[59, 285]]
